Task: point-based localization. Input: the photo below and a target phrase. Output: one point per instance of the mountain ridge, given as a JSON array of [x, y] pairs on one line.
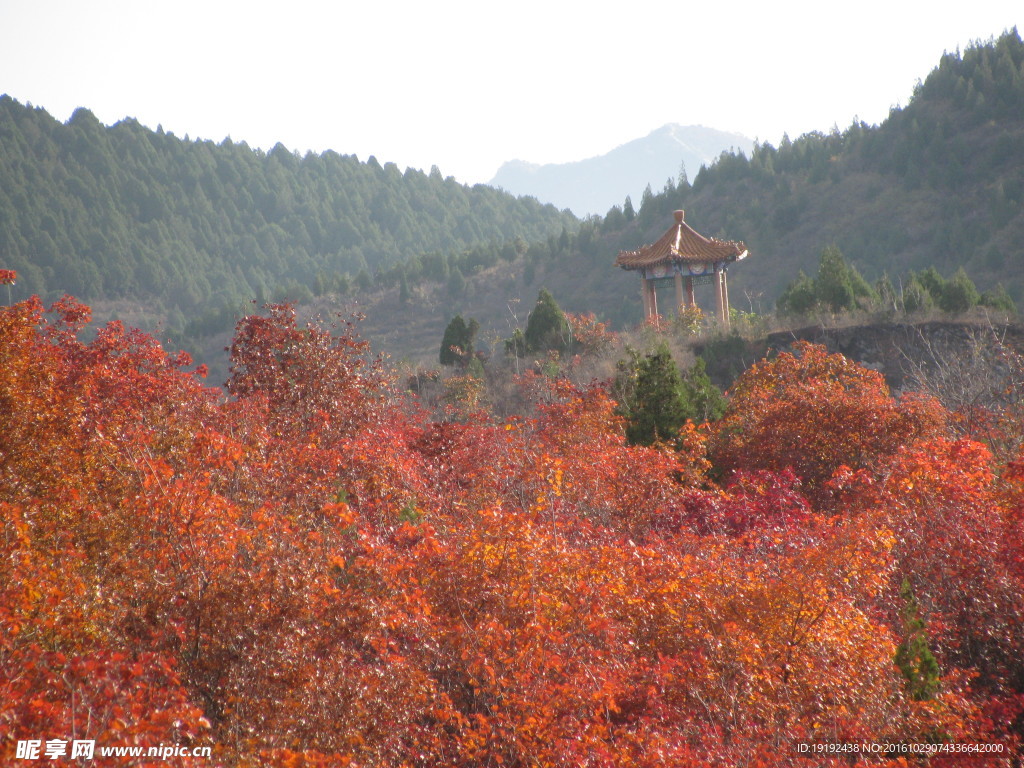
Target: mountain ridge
[[122, 211], [594, 184]]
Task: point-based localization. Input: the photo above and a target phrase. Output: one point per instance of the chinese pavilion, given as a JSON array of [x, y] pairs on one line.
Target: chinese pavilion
[[687, 257]]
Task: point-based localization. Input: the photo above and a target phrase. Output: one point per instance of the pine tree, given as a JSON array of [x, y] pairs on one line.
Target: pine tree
[[916, 298], [834, 286], [476, 368], [648, 208], [798, 298], [862, 290], [707, 401], [682, 180], [913, 657], [547, 328], [997, 298], [933, 282], [959, 293], [457, 342], [363, 281], [659, 405]]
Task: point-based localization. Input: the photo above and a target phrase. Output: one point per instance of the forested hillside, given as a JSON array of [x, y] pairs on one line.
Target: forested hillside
[[189, 226], [197, 229], [939, 184]]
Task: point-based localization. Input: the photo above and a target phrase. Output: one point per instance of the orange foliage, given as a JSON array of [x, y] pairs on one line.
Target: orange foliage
[[591, 336], [941, 500], [311, 572], [812, 412]]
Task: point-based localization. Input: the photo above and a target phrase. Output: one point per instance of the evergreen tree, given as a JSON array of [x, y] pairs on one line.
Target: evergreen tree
[[475, 368], [615, 219], [564, 241], [838, 287], [529, 272], [959, 293], [798, 298], [516, 346], [123, 211], [682, 180], [546, 327], [863, 293], [457, 342], [913, 657], [659, 406], [997, 298], [834, 287], [363, 281], [707, 401], [648, 208], [933, 282], [916, 297]]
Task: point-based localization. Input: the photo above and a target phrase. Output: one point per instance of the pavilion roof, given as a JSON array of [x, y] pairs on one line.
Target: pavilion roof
[[682, 244]]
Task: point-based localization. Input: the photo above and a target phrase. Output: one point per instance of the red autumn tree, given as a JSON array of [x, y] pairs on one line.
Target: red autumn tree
[[311, 571], [812, 412]]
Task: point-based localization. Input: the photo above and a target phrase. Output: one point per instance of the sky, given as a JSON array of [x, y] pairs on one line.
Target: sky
[[468, 85]]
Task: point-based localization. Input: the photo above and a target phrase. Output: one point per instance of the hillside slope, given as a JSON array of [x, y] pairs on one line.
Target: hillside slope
[[126, 213], [939, 183]]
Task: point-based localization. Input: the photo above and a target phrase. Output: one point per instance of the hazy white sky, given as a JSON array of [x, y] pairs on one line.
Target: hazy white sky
[[469, 84]]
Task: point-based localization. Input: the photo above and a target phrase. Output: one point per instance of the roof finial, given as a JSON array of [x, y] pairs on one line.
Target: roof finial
[[679, 216]]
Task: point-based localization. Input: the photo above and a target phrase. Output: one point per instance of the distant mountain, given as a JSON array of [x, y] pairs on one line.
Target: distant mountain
[[594, 185]]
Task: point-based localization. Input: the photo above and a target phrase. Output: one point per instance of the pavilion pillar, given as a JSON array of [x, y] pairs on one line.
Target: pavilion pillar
[[690, 300], [652, 298], [646, 296], [679, 294], [725, 298], [719, 305]]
